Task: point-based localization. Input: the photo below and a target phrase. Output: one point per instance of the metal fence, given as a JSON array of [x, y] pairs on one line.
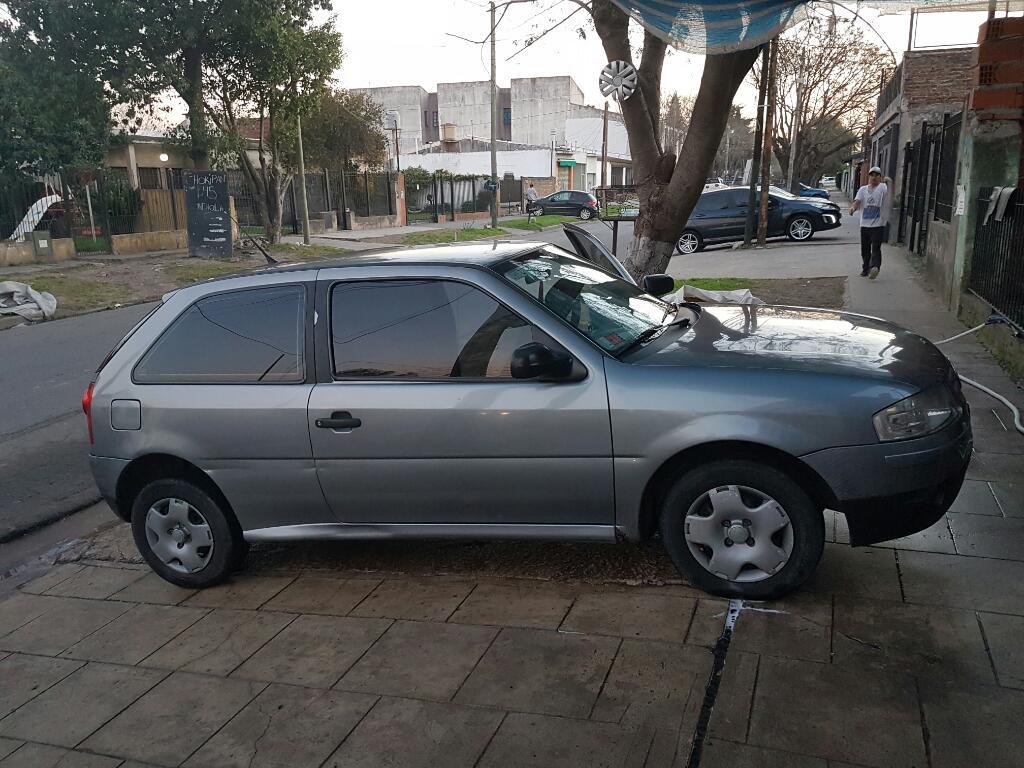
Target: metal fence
[[441, 196], [997, 266], [90, 208], [949, 153]]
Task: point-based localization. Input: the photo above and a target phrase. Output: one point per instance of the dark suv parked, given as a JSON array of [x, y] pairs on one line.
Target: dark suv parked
[[721, 214], [567, 203]]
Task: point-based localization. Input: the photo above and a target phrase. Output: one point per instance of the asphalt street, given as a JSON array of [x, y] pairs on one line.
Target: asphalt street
[[43, 443]]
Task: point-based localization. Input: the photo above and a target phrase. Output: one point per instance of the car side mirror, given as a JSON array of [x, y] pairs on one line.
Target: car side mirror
[[537, 361], [658, 285]]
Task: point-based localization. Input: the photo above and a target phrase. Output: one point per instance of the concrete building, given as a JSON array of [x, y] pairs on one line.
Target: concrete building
[[417, 112], [534, 113], [468, 107]]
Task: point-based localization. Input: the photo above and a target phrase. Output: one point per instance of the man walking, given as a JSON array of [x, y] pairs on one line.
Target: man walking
[[531, 198], [872, 200]]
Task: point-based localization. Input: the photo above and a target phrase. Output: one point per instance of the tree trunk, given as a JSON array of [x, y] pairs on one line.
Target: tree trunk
[[193, 96], [666, 199]]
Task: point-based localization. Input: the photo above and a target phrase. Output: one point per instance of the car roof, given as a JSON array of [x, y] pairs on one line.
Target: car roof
[[476, 254]]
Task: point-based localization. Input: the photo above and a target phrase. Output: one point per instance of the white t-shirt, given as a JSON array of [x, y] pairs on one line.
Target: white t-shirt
[[531, 194], [874, 205]]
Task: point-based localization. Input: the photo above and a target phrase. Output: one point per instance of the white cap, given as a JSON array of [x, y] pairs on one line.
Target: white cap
[[875, 169]]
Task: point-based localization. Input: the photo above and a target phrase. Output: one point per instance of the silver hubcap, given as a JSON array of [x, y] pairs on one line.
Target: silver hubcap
[[584, 213], [179, 535], [800, 229], [688, 243], [739, 533]]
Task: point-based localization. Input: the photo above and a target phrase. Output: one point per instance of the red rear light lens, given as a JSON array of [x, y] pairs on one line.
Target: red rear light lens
[[87, 408]]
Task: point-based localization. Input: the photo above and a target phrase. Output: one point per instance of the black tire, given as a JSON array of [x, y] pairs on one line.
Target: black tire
[[690, 242], [805, 518], [586, 214], [802, 223], [228, 549], [538, 211]]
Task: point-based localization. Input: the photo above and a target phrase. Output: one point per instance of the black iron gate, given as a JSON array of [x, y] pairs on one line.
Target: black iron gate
[[929, 173], [997, 263]]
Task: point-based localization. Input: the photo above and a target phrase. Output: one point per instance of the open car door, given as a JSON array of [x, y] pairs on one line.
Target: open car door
[[593, 250]]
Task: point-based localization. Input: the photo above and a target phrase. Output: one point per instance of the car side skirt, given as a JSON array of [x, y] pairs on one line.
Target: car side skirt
[[371, 531]]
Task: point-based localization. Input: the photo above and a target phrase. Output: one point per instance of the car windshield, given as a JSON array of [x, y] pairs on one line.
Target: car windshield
[[610, 312], [783, 193]]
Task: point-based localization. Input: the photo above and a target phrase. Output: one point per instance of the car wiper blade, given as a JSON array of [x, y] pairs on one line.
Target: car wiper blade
[[643, 338]]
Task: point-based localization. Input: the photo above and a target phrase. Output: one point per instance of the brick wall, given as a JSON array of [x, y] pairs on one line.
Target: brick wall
[[937, 77], [545, 185]]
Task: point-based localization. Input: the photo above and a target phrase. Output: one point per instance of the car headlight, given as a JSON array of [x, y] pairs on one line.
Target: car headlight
[[917, 415]]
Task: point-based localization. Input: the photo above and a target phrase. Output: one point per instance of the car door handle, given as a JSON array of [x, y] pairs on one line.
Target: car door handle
[[339, 420]]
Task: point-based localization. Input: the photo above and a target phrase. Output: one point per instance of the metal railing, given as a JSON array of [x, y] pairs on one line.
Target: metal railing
[[997, 266]]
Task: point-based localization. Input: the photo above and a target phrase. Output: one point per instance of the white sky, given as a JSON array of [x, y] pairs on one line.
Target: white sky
[[403, 42]]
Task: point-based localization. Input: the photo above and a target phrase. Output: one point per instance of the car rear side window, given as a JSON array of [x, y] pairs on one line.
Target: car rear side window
[[242, 337], [422, 329]]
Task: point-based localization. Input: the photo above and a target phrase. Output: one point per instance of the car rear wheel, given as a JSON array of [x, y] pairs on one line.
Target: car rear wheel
[[185, 535], [800, 228], [690, 242], [742, 529], [586, 213]]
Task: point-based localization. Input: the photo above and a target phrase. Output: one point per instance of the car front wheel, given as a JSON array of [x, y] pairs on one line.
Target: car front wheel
[[690, 242], [742, 529], [185, 535], [538, 210], [800, 228]]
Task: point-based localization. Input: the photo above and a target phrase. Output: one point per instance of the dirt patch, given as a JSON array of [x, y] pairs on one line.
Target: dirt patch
[[825, 292], [104, 283], [625, 563], [803, 292]]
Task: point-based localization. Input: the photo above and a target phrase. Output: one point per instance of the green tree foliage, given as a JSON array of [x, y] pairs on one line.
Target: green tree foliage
[[342, 127], [143, 50], [53, 115], [273, 71]]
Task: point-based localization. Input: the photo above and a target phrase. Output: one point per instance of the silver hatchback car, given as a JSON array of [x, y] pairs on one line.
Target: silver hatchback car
[[515, 390]]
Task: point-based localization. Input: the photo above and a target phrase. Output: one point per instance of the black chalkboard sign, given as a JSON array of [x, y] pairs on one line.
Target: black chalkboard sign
[[206, 204]]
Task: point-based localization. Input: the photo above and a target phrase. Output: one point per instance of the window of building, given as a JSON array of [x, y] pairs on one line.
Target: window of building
[[242, 337], [506, 116], [434, 119], [422, 329], [149, 178]]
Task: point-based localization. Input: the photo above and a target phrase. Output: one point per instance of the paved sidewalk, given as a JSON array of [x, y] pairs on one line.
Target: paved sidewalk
[[504, 654]]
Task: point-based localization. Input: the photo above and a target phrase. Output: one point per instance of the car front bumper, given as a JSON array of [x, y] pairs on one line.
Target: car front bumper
[[888, 490], [830, 220]]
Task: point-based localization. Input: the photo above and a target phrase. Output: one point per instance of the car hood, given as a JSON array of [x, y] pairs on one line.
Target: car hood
[[796, 338]]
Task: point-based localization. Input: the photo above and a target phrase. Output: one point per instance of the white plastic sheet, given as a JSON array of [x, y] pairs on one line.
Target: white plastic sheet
[[690, 293], [22, 299]]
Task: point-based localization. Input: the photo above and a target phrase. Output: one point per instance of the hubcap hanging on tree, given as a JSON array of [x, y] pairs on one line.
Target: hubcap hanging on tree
[[618, 80]]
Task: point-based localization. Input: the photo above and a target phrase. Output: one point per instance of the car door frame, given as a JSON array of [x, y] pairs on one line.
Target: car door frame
[[492, 285]]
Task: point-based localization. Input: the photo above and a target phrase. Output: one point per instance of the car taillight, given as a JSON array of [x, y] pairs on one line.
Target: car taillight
[[87, 408], [592, 203]]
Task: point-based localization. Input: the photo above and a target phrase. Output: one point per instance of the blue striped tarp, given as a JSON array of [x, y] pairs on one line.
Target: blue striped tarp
[[720, 26]]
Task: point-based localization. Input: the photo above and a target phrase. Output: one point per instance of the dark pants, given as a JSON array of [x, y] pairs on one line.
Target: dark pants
[[871, 246]]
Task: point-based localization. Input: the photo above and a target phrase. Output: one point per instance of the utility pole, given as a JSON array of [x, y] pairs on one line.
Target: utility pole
[[725, 169], [302, 177], [494, 123], [766, 146], [755, 164], [794, 140], [398, 161], [604, 147]]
